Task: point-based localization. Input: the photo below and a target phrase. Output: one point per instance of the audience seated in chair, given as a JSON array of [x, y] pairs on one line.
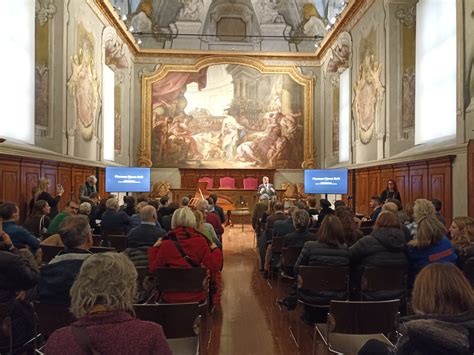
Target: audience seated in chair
[[285, 226], [38, 220], [384, 247], [206, 229], [351, 231], [173, 206], [393, 208], [312, 210], [196, 252], [135, 219], [210, 217], [57, 277], [141, 238], [19, 236], [438, 206], [129, 205], [431, 244], [218, 209], [325, 210], [113, 219], [443, 302], [462, 237], [301, 235], [85, 209], [102, 301], [71, 209], [163, 208], [18, 273], [376, 205], [327, 250]]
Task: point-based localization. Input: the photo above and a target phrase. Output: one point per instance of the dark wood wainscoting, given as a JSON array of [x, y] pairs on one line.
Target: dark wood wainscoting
[[190, 177], [18, 176], [429, 179], [470, 178]]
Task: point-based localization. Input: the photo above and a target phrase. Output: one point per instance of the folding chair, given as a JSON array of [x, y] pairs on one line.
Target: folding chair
[[186, 279], [351, 324], [320, 279], [180, 321]]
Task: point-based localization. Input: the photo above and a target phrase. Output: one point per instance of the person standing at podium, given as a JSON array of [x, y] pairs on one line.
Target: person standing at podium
[[265, 188]]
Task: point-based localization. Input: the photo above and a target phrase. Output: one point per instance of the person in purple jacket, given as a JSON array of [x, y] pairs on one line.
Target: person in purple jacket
[[103, 303]]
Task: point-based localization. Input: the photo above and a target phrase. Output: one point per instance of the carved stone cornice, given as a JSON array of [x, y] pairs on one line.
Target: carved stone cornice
[[45, 10]]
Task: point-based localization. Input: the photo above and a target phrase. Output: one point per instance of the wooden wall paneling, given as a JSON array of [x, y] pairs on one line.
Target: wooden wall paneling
[[401, 177], [77, 176], [418, 181], [30, 174], [374, 182], [362, 192], [470, 178], [101, 183], [189, 177], [440, 186], [386, 173], [10, 181], [64, 178]]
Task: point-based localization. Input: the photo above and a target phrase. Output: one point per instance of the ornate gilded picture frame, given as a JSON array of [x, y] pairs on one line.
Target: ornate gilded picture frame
[[227, 112]]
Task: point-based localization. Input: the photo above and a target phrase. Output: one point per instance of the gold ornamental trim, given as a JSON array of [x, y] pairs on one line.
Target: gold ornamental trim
[[144, 149]]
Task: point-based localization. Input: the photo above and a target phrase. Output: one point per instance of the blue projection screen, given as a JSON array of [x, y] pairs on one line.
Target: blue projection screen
[[127, 179], [327, 181]]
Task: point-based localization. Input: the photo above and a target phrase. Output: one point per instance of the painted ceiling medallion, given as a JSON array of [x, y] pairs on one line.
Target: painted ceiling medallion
[[368, 93]]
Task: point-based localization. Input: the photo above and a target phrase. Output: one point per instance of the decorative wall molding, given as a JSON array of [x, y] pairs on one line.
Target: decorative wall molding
[[340, 54], [406, 15], [115, 54], [191, 10], [45, 10], [368, 93]]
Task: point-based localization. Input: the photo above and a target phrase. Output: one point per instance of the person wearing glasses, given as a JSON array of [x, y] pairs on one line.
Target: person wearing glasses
[[390, 192]]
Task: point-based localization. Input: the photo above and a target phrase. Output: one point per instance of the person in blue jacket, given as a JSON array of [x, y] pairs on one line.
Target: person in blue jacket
[[20, 236]]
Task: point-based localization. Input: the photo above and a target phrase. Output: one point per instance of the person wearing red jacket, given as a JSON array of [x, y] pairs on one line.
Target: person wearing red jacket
[[166, 254]]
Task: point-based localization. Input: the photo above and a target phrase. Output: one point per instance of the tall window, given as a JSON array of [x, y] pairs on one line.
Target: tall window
[[17, 86], [108, 110], [344, 115], [435, 112]]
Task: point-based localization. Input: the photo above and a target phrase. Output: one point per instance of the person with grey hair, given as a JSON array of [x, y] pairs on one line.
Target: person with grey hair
[[141, 238], [185, 201], [113, 219], [57, 277], [87, 189], [301, 222], [103, 304], [211, 217]]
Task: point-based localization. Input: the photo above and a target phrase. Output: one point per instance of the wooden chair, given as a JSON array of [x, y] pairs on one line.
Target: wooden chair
[[227, 183], [392, 281], [185, 279], [98, 250], [287, 263], [181, 324], [52, 317], [209, 180], [119, 242], [250, 183], [320, 279], [351, 324]]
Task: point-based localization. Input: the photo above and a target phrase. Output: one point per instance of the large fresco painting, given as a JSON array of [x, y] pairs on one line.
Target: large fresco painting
[[226, 115]]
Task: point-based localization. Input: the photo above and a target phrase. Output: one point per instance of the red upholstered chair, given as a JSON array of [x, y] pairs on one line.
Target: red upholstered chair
[[210, 181], [227, 183], [250, 183]]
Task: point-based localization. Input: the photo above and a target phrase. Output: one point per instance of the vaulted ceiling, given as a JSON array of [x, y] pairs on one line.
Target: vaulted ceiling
[[250, 25]]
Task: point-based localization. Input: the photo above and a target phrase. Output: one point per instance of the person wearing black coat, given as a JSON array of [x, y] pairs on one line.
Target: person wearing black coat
[[384, 247], [325, 210], [328, 250], [17, 273], [301, 235], [113, 219]]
